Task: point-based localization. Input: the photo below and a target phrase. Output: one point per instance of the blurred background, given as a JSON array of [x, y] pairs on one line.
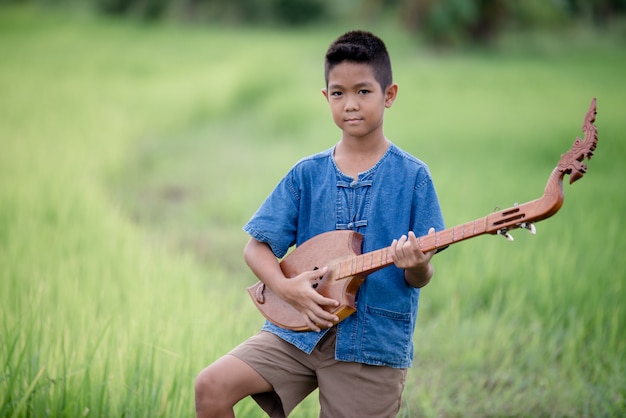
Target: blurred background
[[137, 137], [440, 22]]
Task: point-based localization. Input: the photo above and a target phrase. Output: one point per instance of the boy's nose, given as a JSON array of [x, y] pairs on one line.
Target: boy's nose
[[351, 103]]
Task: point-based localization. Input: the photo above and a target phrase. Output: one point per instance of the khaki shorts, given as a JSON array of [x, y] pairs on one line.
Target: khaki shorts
[[346, 389]]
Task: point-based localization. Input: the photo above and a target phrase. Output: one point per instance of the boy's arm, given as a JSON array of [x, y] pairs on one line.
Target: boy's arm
[[406, 254], [297, 291]]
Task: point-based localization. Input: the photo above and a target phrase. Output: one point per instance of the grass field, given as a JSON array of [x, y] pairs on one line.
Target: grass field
[[132, 154]]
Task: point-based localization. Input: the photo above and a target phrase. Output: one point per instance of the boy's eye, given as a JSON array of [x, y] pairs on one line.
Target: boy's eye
[[335, 93], [363, 91]]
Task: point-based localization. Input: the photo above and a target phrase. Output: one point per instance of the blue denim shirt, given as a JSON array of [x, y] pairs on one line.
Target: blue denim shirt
[[393, 197]]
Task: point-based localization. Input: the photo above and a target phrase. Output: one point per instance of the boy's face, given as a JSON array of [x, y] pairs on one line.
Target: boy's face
[[357, 101]]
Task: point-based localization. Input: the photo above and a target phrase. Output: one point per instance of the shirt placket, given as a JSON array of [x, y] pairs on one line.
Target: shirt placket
[[352, 204]]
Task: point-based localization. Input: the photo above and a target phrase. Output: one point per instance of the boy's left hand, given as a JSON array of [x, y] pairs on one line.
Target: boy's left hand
[[407, 255]]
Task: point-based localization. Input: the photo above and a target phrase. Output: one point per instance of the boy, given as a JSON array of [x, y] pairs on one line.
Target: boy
[[364, 183]]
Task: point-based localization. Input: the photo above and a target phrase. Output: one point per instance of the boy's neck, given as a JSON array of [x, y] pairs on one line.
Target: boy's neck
[[354, 156]]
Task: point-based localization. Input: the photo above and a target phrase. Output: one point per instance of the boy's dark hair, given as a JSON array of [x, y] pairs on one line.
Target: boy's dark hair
[[364, 48]]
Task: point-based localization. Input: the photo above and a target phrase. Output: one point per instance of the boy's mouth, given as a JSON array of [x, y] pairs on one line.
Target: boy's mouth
[[353, 120]]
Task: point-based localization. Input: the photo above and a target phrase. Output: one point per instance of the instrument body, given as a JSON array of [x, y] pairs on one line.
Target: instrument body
[[327, 249]]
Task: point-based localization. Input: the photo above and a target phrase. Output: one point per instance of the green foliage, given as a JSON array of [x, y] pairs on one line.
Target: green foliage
[[129, 161], [452, 22], [246, 11], [440, 22], [148, 9]]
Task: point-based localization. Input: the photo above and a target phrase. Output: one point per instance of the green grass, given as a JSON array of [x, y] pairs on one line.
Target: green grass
[[131, 155]]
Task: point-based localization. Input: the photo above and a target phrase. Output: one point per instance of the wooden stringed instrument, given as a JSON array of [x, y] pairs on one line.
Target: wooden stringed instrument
[[347, 268]]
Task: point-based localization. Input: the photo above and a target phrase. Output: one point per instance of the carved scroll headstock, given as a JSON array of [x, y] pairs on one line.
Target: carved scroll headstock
[[572, 161]]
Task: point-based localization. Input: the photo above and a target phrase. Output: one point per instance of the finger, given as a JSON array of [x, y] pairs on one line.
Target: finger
[[324, 301], [319, 312], [323, 319], [318, 298], [316, 274], [392, 249], [431, 231], [400, 246], [312, 325], [412, 240], [313, 275], [415, 242], [396, 250]]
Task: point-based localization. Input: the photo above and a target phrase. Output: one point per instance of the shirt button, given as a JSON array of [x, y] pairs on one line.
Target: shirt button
[[353, 184], [350, 225]]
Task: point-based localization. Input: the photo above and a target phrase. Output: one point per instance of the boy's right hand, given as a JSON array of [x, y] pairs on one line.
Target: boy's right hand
[[299, 293]]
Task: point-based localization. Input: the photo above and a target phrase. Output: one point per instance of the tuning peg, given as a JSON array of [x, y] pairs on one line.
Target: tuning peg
[[505, 233], [530, 226]]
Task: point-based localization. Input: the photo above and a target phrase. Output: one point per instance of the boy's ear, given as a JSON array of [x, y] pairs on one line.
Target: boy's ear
[[325, 93], [390, 94]]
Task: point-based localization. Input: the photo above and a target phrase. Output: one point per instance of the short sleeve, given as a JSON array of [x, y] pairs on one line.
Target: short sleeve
[[275, 222], [426, 209]]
